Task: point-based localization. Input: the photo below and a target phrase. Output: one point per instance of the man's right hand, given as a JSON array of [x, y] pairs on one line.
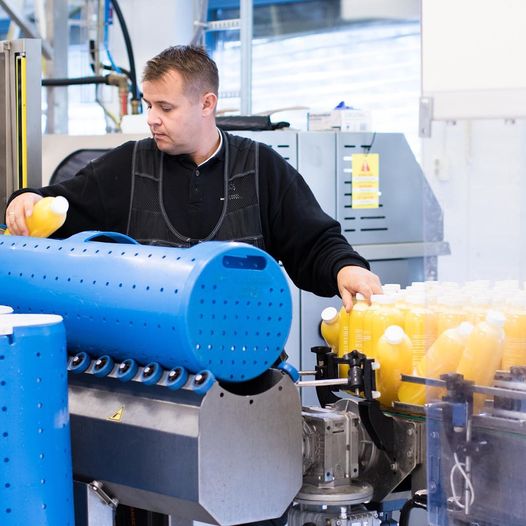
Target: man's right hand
[[17, 211]]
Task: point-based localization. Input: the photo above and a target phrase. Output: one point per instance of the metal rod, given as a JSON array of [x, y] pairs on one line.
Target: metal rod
[[245, 38], [27, 27], [307, 373], [491, 391], [321, 383], [467, 469]]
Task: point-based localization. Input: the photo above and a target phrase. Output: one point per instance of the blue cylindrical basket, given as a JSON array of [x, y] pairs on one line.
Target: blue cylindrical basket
[[36, 484], [225, 307]]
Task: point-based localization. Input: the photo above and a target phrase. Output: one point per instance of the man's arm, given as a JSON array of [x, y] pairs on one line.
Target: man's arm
[[316, 255], [98, 196]]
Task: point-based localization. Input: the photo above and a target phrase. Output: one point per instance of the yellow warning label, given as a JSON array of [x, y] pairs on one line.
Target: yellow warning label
[[365, 180], [117, 416]]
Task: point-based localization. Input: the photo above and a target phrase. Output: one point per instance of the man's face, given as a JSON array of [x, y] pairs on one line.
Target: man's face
[[175, 117]]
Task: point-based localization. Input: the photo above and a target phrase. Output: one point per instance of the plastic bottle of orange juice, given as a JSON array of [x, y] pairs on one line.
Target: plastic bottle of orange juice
[[351, 331], [48, 216], [367, 326], [449, 312], [420, 325], [477, 306], [514, 352], [483, 353], [394, 354], [384, 315], [330, 327], [356, 321], [441, 358]]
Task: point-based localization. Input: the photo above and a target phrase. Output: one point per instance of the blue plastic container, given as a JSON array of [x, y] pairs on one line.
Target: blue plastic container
[[36, 485], [224, 307]]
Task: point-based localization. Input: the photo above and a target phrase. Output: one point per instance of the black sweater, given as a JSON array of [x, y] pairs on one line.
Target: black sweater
[[296, 230]]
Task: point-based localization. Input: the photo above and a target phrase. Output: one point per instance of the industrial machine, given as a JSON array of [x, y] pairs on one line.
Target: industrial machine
[[181, 402], [475, 457], [391, 232]]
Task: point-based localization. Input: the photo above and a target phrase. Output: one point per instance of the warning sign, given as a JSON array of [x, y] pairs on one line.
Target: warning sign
[[117, 416], [365, 180]]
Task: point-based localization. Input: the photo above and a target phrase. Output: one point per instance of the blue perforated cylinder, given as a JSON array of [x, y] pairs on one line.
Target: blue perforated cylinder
[[224, 307], [36, 486]]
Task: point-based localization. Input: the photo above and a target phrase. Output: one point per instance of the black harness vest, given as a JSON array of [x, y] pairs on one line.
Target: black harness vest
[[240, 218]]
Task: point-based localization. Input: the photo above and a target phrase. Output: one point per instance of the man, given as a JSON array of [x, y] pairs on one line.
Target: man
[[192, 183]]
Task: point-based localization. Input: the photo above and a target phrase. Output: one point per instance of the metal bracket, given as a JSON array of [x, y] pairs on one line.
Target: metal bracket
[[103, 495], [425, 116]]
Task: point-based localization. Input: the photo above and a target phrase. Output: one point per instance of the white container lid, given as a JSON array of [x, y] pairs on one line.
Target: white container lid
[[465, 328], [385, 299], [495, 317], [329, 315], [9, 321], [394, 334], [360, 296], [60, 205], [451, 300]]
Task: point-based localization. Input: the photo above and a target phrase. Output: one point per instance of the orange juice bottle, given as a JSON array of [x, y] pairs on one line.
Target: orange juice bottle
[[478, 306], [344, 346], [515, 329], [449, 312], [383, 316], [420, 325], [356, 321], [441, 358], [330, 327], [351, 334], [394, 355], [367, 326], [48, 216], [483, 353]]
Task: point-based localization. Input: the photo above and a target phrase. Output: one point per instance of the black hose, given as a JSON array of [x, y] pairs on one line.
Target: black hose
[[106, 67], [419, 500], [129, 50], [74, 81]]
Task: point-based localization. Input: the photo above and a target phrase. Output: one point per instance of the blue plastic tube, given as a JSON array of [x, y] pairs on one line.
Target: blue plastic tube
[[223, 307]]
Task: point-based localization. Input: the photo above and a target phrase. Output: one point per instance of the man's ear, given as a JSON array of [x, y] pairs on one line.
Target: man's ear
[[209, 102]]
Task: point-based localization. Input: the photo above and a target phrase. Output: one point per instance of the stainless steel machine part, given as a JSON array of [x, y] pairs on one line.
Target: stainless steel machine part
[[343, 466], [228, 457]]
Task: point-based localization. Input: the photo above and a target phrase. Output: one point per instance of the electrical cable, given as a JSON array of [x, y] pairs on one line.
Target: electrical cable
[[107, 13], [129, 50], [459, 466]]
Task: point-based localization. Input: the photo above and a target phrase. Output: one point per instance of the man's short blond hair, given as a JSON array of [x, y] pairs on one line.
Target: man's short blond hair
[[198, 70]]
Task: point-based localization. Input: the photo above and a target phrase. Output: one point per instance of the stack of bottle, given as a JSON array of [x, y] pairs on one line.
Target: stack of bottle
[[432, 328]]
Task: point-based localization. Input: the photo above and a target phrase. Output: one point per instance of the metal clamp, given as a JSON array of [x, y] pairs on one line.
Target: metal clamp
[[103, 495]]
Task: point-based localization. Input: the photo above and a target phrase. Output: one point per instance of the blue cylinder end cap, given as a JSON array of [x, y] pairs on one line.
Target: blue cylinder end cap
[[290, 370]]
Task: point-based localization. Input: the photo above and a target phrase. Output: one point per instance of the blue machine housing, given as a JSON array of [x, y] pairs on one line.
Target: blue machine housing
[[36, 486], [224, 307]]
